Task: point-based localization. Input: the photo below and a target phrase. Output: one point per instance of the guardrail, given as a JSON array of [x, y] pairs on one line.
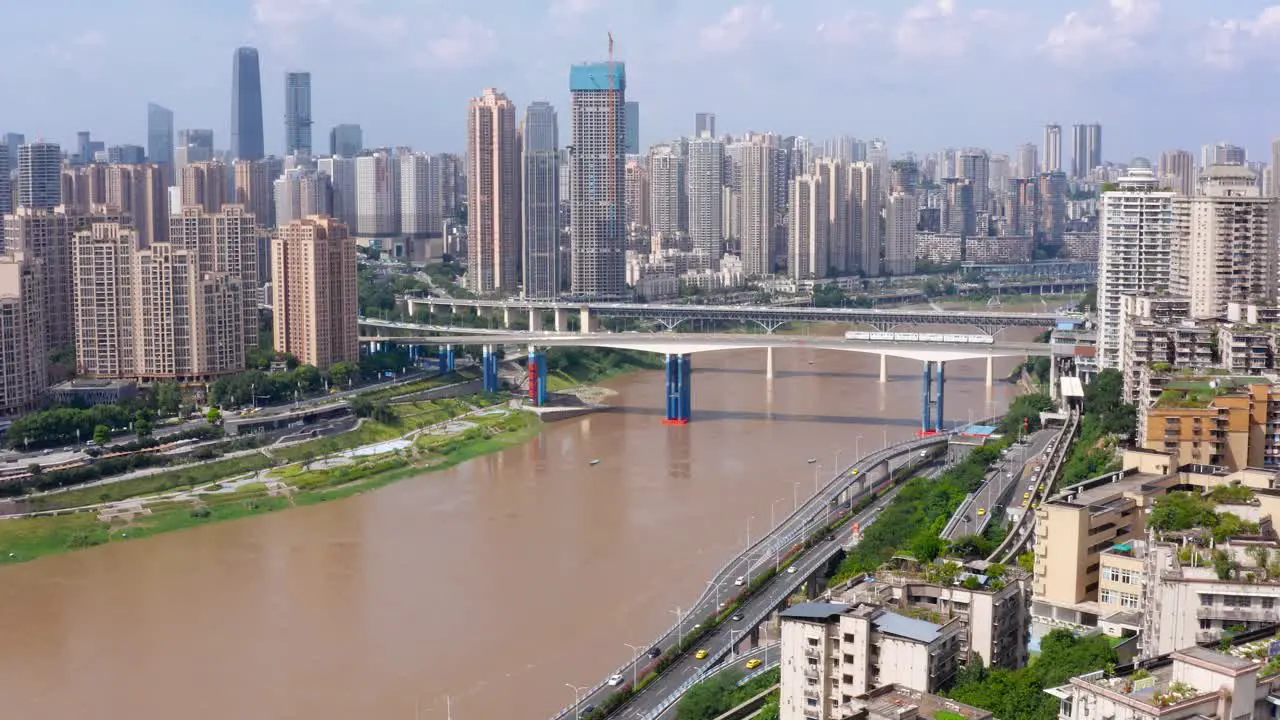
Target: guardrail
[[1015, 541], [959, 513]]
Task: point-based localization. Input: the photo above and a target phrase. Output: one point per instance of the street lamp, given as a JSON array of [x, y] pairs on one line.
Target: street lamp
[[577, 702], [772, 506], [635, 664], [717, 585], [857, 445], [795, 496], [679, 626]]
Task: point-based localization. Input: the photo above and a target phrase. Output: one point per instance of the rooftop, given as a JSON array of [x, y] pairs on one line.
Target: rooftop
[[1102, 491], [814, 612], [892, 700], [905, 627]]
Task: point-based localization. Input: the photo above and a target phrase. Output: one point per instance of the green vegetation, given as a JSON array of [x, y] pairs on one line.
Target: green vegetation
[[62, 426], [1232, 494], [1106, 417], [1019, 694], [1185, 511], [914, 520], [577, 365], [714, 697], [1023, 415]]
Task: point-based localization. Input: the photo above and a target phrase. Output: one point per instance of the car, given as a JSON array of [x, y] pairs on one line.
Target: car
[[1026, 496], [1008, 474], [700, 655], [655, 651], [737, 617], [754, 663], [588, 709], [615, 680], [791, 569], [982, 511], [740, 581], [1025, 503]]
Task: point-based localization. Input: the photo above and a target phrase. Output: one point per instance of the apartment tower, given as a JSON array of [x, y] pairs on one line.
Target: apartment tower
[[253, 189], [204, 185], [493, 189], [902, 212], [666, 192], [704, 176], [1052, 148], [313, 277], [540, 197], [864, 214], [419, 196], [377, 195], [23, 366], [758, 213], [597, 177], [834, 181], [808, 257]]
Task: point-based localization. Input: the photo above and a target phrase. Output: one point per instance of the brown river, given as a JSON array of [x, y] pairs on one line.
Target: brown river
[[494, 583]]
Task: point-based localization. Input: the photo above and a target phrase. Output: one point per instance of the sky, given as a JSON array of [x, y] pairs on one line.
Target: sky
[[1158, 74]]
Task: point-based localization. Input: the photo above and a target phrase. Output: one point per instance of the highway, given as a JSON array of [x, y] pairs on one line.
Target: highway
[[804, 520], [1010, 477]]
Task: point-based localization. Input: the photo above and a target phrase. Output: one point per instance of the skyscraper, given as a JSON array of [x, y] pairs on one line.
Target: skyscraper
[[204, 185], [901, 215], [23, 364], [833, 184], [159, 134], [633, 127], [808, 253], [246, 106], [13, 141], [315, 303], [1052, 148], [346, 140], [1028, 162], [1224, 248], [975, 166], [377, 195], [297, 113], [1136, 236], [864, 216], [341, 172], [6, 190], [253, 189], [40, 175], [493, 186], [666, 191], [1223, 153], [300, 193], [1086, 142], [1178, 172], [759, 176], [419, 196], [704, 122], [540, 194], [705, 178], [598, 161]]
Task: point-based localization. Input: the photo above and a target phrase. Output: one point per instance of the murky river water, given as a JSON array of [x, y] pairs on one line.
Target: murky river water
[[494, 583]]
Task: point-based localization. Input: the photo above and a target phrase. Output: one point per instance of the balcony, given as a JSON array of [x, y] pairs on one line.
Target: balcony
[[1222, 612], [814, 713], [811, 673], [812, 652], [812, 692]]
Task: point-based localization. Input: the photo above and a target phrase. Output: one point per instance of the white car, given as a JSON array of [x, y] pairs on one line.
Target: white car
[[791, 569], [740, 581], [615, 680]]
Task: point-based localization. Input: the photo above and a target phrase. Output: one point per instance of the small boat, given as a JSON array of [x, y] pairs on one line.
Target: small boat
[[594, 462], [812, 460]]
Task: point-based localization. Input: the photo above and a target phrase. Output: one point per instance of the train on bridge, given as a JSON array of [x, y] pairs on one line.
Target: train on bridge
[[920, 337]]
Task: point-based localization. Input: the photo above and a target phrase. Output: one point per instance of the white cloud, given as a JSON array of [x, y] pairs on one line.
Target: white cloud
[[1229, 43], [737, 26], [1108, 32], [286, 21], [938, 28], [573, 8], [464, 43], [71, 50], [850, 29]]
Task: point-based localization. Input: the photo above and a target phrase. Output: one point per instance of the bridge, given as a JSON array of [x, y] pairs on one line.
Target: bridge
[[679, 349], [769, 317], [868, 474]]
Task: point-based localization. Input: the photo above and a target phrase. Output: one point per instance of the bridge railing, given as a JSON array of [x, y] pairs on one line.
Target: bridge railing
[[1015, 541]]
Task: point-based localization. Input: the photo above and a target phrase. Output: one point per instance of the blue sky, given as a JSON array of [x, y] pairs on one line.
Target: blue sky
[[1157, 73]]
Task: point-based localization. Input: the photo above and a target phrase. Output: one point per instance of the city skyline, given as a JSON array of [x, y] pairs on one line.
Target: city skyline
[[1083, 61]]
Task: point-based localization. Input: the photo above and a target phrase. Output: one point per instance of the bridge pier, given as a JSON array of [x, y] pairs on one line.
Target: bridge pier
[[506, 317], [447, 360], [925, 389], [535, 320], [1053, 378], [587, 323], [679, 394], [768, 363], [884, 368], [990, 371], [942, 381], [562, 320], [490, 365], [932, 401], [537, 376]]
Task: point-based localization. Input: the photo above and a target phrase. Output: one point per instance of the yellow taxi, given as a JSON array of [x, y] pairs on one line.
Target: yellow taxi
[[1026, 496], [982, 511], [854, 471], [753, 663], [701, 654]]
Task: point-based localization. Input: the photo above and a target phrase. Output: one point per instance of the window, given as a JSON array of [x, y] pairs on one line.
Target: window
[[1206, 600]]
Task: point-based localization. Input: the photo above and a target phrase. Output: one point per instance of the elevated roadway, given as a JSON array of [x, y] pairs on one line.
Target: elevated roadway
[[768, 316], [1003, 487], [762, 554]]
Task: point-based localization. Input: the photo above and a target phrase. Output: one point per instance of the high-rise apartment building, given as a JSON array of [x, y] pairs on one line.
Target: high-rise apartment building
[[159, 134], [839, 232], [902, 212], [341, 172], [808, 254], [1053, 206], [1022, 201], [540, 196], [23, 363], [6, 190], [141, 194], [974, 165], [1084, 139], [253, 186], [84, 187], [453, 183], [759, 209], [106, 329], [204, 185], [1027, 162], [637, 192], [958, 211], [864, 215], [704, 176], [419, 196], [226, 242], [346, 140], [297, 113], [704, 123], [300, 193], [1224, 248], [1177, 172], [633, 127], [597, 177], [313, 278], [493, 194], [246, 106], [1275, 168], [377, 195], [40, 176], [1052, 148], [666, 191], [1223, 153], [13, 141], [1137, 236]]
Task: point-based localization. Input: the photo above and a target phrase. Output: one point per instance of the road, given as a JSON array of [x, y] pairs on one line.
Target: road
[[805, 519], [768, 656], [1004, 486]]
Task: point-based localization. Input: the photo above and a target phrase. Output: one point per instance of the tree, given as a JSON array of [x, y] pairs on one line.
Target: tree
[[215, 416], [142, 427], [927, 548], [1182, 511], [708, 700], [101, 435], [167, 398], [341, 374]]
